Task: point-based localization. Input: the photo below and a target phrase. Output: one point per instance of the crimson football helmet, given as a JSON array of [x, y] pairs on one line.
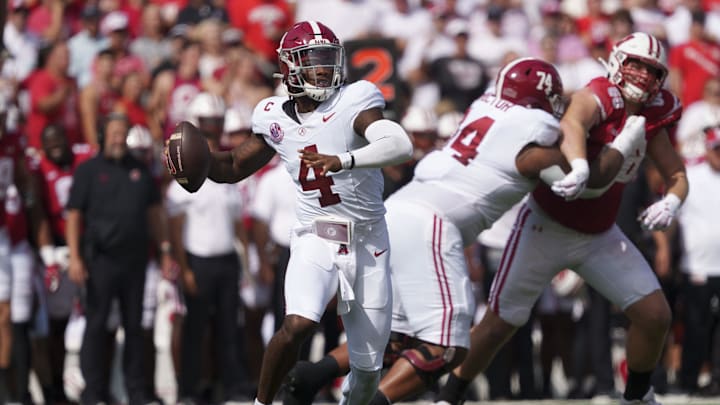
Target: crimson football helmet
[[532, 83], [637, 85], [312, 61]]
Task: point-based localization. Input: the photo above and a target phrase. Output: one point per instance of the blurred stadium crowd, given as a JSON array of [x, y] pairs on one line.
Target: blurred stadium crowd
[[159, 62]]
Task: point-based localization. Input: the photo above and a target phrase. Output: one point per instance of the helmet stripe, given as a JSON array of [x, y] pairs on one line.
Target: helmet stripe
[[657, 47], [503, 72], [315, 28]]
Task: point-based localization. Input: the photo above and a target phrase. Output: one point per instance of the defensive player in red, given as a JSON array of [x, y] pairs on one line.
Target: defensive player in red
[[53, 172], [551, 233], [18, 208]]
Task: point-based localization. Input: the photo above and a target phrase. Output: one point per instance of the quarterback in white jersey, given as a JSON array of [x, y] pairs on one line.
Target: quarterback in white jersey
[[348, 193], [496, 156], [333, 141]]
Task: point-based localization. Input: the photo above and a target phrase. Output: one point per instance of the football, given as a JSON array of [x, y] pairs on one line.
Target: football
[[187, 156]]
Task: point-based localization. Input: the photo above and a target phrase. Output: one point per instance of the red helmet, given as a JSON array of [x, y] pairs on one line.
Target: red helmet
[[312, 61], [532, 83]]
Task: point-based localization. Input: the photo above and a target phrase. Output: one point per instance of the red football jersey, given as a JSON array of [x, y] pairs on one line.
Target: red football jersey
[[597, 215], [55, 182], [11, 151]]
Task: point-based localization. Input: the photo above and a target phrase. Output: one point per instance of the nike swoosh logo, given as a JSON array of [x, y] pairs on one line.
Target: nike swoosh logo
[[380, 252], [327, 117]]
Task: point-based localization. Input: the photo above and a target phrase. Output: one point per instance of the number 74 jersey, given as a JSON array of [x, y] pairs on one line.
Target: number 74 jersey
[[473, 180], [354, 194]]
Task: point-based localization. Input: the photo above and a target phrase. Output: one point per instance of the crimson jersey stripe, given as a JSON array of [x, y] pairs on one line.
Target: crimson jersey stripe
[[436, 259], [511, 247], [446, 284]]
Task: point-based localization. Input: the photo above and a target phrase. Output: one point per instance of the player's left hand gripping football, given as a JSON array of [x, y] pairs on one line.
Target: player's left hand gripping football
[[326, 163], [661, 214], [573, 184]]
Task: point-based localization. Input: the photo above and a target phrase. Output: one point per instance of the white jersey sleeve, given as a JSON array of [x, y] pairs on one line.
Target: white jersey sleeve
[[177, 199], [355, 194]]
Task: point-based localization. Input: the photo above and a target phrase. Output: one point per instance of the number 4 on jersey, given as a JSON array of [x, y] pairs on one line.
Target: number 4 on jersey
[[467, 141], [321, 182]]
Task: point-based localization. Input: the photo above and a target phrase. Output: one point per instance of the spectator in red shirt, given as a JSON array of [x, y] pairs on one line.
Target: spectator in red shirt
[[53, 97], [47, 20], [594, 26], [130, 103], [115, 26], [694, 63], [263, 23], [98, 97]]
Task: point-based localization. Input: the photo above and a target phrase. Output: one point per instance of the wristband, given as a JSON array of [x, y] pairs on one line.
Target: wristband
[[672, 201], [580, 165], [347, 160]]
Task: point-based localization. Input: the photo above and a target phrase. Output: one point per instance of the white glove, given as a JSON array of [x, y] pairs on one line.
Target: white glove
[[661, 214], [631, 136], [574, 182]]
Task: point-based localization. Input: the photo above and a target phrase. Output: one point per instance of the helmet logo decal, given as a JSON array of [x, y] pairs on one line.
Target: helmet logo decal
[[276, 133]]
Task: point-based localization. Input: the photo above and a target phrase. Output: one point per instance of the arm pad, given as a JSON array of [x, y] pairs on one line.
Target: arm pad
[[389, 145]]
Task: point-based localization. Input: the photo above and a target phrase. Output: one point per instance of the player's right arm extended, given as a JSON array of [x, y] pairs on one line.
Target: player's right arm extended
[[582, 113], [239, 163]]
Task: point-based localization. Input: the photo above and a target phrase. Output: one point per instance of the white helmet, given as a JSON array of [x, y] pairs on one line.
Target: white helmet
[[139, 138], [418, 119], [205, 105], [644, 48]]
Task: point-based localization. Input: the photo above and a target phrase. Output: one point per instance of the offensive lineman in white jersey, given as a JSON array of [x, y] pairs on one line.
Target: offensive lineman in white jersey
[[495, 157], [333, 139]]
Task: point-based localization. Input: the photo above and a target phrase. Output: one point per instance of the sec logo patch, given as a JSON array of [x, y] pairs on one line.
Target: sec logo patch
[[276, 133]]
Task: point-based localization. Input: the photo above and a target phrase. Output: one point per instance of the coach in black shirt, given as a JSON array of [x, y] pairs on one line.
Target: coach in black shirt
[[114, 211]]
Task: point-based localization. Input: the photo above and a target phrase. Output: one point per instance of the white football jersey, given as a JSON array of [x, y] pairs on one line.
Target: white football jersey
[[355, 194], [473, 180]]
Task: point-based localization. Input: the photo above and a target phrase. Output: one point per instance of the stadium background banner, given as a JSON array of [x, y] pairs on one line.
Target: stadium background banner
[[375, 60]]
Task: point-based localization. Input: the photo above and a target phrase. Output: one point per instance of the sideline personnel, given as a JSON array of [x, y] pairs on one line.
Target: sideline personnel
[[113, 210]]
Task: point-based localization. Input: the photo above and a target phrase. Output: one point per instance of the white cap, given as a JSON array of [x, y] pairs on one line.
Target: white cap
[[448, 123], [456, 27], [237, 119], [139, 138], [418, 119], [205, 105], [114, 21]]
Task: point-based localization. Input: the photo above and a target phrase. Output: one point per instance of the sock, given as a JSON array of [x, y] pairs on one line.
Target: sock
[[3, 385], [306, 378], [313, 376], [21, 358], [638, 384], [454, 390], [327, 369], [379, 399]]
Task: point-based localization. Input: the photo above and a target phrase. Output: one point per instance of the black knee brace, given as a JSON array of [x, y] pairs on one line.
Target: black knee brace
[[428, 367]]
